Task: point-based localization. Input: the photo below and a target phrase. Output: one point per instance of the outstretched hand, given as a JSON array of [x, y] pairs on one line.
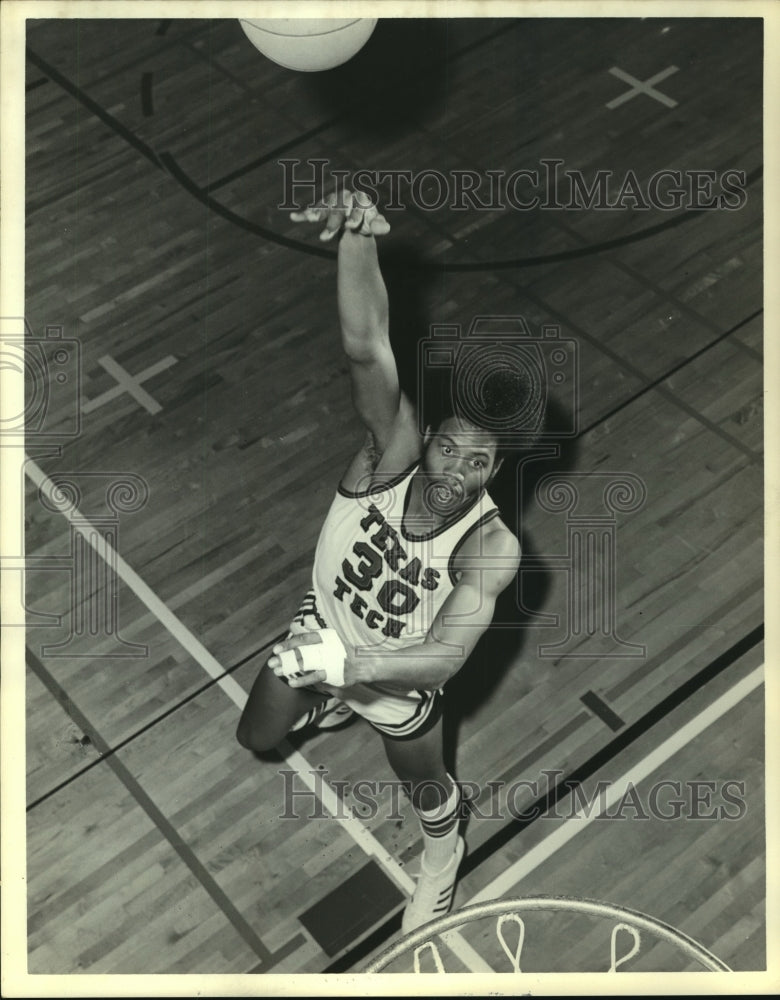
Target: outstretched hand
[[351, 210]]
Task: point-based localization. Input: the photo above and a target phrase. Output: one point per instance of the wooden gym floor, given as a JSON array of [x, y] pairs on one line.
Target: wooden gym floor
[[214, 403]]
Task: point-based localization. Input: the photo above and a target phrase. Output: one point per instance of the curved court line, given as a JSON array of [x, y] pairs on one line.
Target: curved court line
[[170, 164], [247, 168], [167, 162], [595, 248], [189, 185], [339, 809]]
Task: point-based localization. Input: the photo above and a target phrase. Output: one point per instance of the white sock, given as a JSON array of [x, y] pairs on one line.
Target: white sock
[[440, 830]]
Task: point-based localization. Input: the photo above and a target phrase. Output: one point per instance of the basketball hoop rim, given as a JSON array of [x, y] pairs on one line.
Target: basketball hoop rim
[[542, 901]]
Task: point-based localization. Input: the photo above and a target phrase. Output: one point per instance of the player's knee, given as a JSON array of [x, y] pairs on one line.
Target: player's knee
[[427, 779]]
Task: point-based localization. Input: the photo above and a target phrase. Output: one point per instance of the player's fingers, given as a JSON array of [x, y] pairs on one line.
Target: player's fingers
[[338, 205], [368, 217], [307, 678], [373, 223], [293, 641], [334, 223], [359, 216], [379, 225], [361, 202], [314, 213], [341, 198]]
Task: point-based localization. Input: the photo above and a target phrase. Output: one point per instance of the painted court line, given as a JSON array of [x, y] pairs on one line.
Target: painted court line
[[504, 883], [166, 617], [642, 87], [335, 806], [127, 383]]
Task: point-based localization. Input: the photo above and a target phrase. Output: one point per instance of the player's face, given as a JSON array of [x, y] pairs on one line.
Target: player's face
[[460, 457]]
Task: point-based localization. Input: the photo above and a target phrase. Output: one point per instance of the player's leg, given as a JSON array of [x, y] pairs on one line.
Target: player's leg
[[272, 709], [436, 800], [419, 760]]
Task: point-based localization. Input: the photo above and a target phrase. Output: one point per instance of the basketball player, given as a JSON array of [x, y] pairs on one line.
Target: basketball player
[[409, 563]]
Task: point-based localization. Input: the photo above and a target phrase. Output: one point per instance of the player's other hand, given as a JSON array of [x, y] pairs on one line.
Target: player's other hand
[[351, 210], [308, 677]]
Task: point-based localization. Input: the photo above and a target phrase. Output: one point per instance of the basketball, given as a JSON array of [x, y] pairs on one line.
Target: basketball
[[308, 45]]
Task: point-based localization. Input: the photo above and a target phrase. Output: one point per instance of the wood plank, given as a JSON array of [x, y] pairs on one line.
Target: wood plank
[[256, 425]]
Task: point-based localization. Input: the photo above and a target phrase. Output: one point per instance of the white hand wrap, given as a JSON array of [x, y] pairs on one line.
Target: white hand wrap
[[327, 654]]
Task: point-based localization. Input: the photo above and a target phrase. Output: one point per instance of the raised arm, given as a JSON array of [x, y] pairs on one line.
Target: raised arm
[[363, 314]]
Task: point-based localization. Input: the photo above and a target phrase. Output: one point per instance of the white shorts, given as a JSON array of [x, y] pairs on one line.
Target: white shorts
[[401, 715]]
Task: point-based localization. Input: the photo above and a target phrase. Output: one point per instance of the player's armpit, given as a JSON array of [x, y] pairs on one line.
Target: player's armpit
[[401, 452]]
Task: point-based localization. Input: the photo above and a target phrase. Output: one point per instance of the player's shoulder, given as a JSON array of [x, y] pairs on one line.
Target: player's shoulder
[[495, 539], [494, 545]]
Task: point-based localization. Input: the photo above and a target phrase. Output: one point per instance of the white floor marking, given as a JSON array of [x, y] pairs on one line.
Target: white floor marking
[[335, 806], [129, 384], [642, 87], [508, 879]]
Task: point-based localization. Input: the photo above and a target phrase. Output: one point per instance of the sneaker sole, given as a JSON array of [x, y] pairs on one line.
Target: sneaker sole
[[334, 719]]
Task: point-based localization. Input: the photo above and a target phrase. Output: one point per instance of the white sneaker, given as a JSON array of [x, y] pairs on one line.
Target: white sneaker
[[434, 893], [334, 715]]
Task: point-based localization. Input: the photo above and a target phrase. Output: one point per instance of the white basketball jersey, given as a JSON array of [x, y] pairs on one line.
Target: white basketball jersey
[[380, 578]]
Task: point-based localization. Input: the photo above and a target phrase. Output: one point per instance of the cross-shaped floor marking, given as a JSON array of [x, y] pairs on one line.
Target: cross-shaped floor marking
[[129, 383], [638, 87]]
